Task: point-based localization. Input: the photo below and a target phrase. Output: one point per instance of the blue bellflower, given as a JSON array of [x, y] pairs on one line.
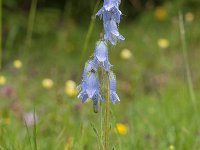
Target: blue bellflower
[[109, 4], [101, 55], [111, 32], [90, 88], [89, 66], [113, 95], [111, 17], [107, 14], [89, 82]]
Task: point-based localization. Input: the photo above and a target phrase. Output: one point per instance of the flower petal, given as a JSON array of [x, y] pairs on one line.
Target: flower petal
[[92, 85], [101, 52], [113, 95], [111, 32]]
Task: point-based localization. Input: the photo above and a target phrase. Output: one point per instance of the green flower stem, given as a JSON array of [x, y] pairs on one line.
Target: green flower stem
[[107, 112], [101, 126], [31, 20], [101, 73], [90, 30], [186, 61]]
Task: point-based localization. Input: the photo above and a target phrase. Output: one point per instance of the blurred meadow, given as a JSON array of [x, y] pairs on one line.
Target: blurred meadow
[[44, 47]]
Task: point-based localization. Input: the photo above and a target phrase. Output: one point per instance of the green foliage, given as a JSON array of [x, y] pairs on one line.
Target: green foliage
[[155, 102]]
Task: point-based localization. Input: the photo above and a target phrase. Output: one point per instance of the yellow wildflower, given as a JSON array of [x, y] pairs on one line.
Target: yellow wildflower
[[6, 120], [47, 83], [163, 43], [17, 64], [70, 88], [160, 13], [121, 129], [189, 16], [171, 147], [69, 143], [2, 80], [126, 54]]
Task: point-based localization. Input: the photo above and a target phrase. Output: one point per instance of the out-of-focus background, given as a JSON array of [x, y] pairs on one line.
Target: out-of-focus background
[[158, 80]]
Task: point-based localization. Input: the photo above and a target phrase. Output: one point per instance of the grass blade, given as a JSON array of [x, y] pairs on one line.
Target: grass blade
[[29, 136], [185, 57], [35, 132]]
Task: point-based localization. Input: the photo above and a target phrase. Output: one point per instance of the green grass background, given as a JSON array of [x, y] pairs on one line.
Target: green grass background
[[155, 100]]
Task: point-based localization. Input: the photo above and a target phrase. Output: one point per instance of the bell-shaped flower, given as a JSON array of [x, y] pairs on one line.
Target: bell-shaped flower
[[107, 14], [92, 85], [111, 17], [90, 88], [91, 65], [101, 55], [111, 3], [108, 5], [111, 32], [113, 95]]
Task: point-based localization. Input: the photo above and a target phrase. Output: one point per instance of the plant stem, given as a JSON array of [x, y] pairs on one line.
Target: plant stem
[[31, 19], [1, 34], [35, 132], [28, 133], [101, 126], [29, 32], [185, 57], [91, 27], [107, 112]]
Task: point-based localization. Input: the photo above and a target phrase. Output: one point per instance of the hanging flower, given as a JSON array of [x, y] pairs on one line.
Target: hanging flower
[[111, 32], [108, 13], [111, 16], [101, 55], [108, 4], [113, 95], [92, 85], [90, 88], [90, 66]]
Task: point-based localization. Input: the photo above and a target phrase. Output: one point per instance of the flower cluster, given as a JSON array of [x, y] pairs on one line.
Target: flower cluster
[[90, 87], [111, 18]]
